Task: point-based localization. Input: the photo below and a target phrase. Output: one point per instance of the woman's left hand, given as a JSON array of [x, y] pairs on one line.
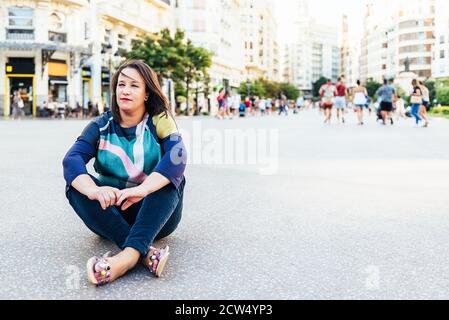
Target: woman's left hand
[[132, 196]]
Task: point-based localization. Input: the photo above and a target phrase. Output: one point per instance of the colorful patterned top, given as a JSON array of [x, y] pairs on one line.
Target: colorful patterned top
[[125, 157]]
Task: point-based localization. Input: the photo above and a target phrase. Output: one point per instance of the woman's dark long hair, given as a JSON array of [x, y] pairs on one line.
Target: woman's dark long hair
[[157, 102]]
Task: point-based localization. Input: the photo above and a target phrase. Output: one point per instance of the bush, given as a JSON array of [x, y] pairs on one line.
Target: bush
[[440, 110], [443, 95]]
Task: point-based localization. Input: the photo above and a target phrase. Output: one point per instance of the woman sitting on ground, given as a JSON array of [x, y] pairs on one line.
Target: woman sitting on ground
[[140, 158]]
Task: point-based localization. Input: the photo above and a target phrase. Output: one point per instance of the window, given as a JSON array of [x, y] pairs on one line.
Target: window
[[408, 24], [20, 17], [121, 41], [20, 24], [56, 32], [86, 31], [55, 22], [441, 54], [442, 39], [107, 36], [199, 26]]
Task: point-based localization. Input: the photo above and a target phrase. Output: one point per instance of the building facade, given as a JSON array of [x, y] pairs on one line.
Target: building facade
[[440, 65], [314, 52], [65, 51], [259, 29], [350, 54], [215, 26], [396, 34]]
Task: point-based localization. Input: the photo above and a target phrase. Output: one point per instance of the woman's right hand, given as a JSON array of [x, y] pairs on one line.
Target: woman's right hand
[[107, 196]]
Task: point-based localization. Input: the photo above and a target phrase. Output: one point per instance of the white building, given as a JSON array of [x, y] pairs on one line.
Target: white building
[[314, 52], [396, 32], [440, 66], [350, 55], [259, 30], [215, 26], [62, 51]]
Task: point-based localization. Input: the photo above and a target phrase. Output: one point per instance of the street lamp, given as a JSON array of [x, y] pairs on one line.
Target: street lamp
[[248, 88], [108, 50]]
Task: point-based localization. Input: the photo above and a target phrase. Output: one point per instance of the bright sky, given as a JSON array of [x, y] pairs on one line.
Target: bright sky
[[328, 12]]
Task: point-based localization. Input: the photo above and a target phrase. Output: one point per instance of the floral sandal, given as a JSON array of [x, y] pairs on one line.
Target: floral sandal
[[156, 259], [99, 270]]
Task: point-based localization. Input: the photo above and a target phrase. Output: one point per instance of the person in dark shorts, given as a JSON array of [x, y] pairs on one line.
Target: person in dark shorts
[[387, 95]]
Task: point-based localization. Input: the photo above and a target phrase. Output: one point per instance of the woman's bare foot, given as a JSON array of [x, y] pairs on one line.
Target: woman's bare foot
[[156, 259], [108, 269]]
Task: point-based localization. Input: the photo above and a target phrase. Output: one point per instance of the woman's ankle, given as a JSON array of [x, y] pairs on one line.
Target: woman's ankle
[[123, 262]]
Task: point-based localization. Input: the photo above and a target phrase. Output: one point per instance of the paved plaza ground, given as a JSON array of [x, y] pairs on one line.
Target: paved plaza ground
[[351, 213]]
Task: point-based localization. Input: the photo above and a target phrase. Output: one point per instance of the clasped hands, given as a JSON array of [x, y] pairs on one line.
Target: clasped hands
[[110, 196]]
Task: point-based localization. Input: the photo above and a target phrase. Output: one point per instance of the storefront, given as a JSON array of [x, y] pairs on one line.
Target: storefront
[[57, 81], [86, 75], [20, 79], [105, 88]]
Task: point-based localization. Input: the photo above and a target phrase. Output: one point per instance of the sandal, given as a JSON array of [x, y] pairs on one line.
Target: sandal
[[98, 270], [156, 259]]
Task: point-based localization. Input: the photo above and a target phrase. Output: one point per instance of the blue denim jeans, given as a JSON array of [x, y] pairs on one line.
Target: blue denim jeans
[[153, 218], [415, 112]]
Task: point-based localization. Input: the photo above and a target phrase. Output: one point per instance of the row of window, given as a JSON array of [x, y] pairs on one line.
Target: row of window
[[23, 18], [21, 27]]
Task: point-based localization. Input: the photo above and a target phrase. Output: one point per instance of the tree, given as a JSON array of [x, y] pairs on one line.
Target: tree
[[161, 51], [372, 86], [431, 85], [194, 67], [442, 96], [317, 85], [272, 88], [256, 89], [172, 57], [290, 91]]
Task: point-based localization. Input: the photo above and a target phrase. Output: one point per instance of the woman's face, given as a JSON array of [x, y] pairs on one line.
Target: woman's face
[[130, 91]]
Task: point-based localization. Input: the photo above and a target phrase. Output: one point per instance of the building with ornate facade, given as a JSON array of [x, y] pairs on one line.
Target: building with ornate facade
[[65, 51]]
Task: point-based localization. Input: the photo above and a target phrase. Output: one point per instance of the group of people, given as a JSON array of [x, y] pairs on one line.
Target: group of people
[[230, 106], [338, 96]]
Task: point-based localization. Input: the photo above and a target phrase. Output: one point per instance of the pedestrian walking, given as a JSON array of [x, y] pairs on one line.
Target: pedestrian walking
[[425, 103], [387, 96], [400, 108], [17, 106], [340, 99], [327, 93], [299, 103], [221, 104], [416, 100], [359, 99], [140, 158]]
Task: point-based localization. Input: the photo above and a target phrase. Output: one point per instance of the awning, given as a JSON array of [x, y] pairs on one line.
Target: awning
[[46, 46], [58, 82]]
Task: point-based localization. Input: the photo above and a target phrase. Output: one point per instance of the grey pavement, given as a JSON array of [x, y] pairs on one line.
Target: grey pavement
[[351, 213]]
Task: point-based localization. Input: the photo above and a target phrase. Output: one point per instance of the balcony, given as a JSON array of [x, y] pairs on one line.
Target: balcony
[[58, 37], [19, 34]]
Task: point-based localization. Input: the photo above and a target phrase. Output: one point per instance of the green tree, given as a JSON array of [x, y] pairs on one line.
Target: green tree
[[431, 85], [272, 88], [173, 57], [161, 51], [372, 86], [195, 64], [290, 91], [256, 89], [317, 85], [442, 96]]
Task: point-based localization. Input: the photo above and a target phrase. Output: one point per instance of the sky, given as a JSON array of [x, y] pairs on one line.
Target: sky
[[328, 12]]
